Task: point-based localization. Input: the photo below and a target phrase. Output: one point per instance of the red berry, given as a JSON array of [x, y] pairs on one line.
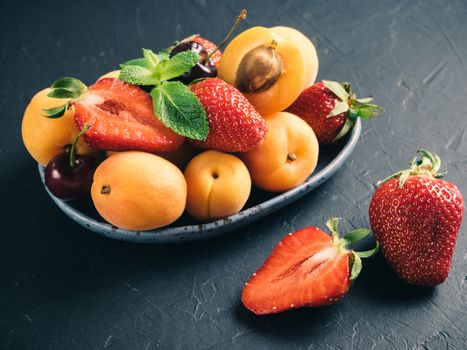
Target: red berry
[[209, 46], [234, 124], [122, 118], [417, 224], [306, 268], [316, 105], [204, 68], [66, 182]]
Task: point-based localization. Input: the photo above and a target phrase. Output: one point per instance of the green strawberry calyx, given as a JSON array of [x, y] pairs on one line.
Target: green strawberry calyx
[[425, 163], [350, 104], [353, 236]]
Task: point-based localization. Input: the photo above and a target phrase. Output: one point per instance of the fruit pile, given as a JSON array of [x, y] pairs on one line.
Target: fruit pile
[[192, 129], [251, 115]]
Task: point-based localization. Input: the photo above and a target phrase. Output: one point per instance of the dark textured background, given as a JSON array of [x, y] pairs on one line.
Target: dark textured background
[[62, 287]]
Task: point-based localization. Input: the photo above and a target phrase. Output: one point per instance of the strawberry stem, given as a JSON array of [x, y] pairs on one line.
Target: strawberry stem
[[240, 17], [353, 236], [428, 165], [351, 105]]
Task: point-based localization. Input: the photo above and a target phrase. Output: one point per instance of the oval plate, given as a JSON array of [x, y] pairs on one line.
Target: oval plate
[[185, 229]]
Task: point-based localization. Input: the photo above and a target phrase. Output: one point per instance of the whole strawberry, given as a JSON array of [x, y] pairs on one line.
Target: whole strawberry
[[416, 218], [234, 124], [307, 268], [331, 109]]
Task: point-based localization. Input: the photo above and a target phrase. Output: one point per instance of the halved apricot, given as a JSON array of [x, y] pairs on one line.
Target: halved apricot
[[309, 51], [267, 68]]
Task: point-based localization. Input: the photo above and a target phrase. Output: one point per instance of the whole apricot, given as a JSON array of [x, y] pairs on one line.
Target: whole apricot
[[112, 74], [43, 137], [138, 191], [218, 185], [287, 156]]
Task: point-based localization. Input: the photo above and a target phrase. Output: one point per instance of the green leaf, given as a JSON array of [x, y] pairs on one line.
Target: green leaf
[[368, 253], [137, 75], [64, 93], [176, 65], [356, 268], [163, 55], [366, 114], [355, 235], [151, 58], [69, 83], [337, 89], [345, 129], [140, 62], [55, 112], [339, 108], [180, 110]]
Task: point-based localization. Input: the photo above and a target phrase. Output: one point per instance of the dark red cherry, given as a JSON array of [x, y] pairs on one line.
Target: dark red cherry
[[203, 69], [68, 182]]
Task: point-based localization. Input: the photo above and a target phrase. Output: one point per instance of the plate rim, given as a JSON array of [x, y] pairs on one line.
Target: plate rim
[[180, 234]]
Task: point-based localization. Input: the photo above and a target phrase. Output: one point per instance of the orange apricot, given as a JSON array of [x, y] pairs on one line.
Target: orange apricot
[[43, 137], [180, 157], [112, 74], [218, 185], [138, 191], [267, 67], [287, 156], [309, 52]]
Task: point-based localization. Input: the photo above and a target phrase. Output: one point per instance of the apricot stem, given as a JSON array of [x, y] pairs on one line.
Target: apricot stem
[[240, 17], [105, 189], [273, 44], [291, 156]]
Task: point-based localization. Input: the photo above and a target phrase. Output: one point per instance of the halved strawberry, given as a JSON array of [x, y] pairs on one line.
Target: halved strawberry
[[307, 268], [122, 118]]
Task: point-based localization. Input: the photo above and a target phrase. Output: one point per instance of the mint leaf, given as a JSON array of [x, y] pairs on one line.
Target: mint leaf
[[176, 65], [180, 110], [137, 75], [152, 59], [55, 112], [69, 83], [140, 62], [163, 55], [64, 93]]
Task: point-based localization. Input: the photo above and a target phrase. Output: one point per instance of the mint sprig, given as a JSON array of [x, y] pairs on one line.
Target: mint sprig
[[66, 87], [180, 110], [175, 105]]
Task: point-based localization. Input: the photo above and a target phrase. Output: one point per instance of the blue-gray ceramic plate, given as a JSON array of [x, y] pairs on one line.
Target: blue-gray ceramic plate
[[185, 229]]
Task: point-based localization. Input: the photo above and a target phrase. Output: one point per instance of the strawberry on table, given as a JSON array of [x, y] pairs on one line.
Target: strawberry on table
[[122, 118], [234, 124], [307, 268], [331, 109], [416, 217]]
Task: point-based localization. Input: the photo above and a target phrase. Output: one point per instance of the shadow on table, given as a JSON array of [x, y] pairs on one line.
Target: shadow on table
[[287, 324], [382, 285]]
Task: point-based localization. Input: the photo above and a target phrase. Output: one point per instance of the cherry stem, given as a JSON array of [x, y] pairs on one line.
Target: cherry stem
[[240, 17], [75, 141]]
